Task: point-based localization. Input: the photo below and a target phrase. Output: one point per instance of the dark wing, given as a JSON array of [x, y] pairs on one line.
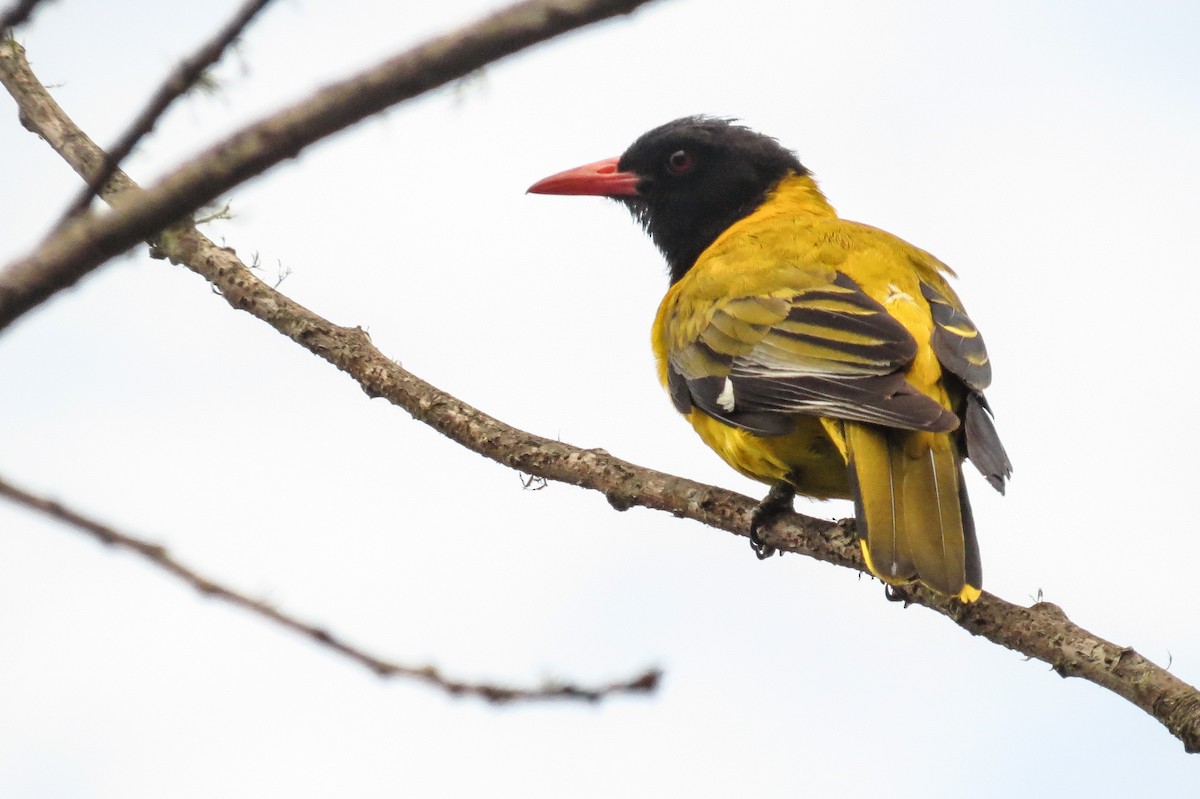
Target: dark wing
[[827, 351], [956, 341], [959, 347]]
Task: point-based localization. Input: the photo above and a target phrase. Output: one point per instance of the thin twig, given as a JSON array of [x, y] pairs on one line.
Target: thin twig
[[181, 80], [159, 557], [76, 248], [1042, 631]]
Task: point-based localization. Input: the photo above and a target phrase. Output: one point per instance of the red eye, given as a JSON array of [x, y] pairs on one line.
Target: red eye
[[681, 162]]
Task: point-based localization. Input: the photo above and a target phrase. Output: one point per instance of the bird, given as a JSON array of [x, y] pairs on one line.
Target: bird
[[817, 355]]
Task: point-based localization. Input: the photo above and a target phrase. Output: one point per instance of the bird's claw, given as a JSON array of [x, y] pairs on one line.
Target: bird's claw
[[762, 550], [777, 501]]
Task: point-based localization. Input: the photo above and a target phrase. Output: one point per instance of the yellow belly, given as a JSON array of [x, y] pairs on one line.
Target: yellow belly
[[806, 458]]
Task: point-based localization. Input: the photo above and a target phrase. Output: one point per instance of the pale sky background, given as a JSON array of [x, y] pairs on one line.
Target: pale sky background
[[1047, 151]]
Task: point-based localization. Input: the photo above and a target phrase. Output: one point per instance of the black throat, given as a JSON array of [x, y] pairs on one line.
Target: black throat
[[696, 177], [682, 227]]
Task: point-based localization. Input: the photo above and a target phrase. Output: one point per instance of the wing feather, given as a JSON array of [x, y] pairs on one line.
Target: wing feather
[[829, 350], [956, 341], [959, 348]]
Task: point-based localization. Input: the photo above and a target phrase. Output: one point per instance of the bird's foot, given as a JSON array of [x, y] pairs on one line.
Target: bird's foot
[[776, 502], [898, 593]]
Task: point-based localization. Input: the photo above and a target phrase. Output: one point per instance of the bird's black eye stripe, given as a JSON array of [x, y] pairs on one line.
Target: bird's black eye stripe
[[680, 162]]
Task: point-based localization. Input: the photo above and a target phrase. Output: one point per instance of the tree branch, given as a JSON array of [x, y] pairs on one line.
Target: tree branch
[[181, 79], [1042, 631], [158, 556], [76, 248]]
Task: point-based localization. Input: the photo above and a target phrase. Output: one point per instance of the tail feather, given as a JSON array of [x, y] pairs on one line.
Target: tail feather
[[974, 566], [913, 515], [933, 516], [878, 503]]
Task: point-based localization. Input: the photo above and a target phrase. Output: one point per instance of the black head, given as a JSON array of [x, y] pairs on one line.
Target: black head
[[697, 176], [686, 182]]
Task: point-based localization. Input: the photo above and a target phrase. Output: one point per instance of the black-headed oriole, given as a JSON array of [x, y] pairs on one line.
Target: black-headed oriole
[[815, 354]]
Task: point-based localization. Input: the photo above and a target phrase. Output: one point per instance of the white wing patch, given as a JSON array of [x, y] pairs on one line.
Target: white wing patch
[[725, 398], [897, 294]]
